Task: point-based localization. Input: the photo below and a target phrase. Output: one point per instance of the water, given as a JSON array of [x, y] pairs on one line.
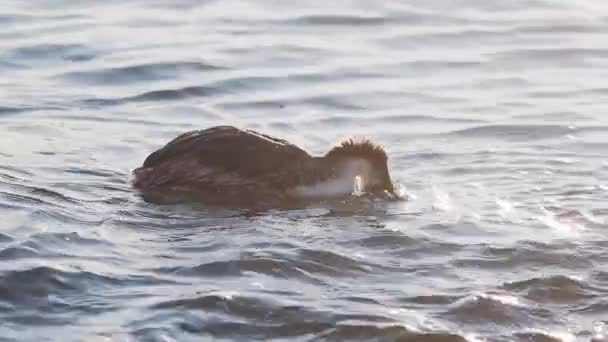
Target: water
[[493, 113]]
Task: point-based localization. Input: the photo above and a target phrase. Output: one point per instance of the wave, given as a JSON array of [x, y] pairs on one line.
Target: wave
[[553, 289], [138, 73], [69, 52]]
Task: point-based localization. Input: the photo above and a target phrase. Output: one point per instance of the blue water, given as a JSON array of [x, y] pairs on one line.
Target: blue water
[[493, 114]]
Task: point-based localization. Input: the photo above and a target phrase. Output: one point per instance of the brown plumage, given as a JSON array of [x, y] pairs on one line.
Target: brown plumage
[[229, 166], [359, 147]]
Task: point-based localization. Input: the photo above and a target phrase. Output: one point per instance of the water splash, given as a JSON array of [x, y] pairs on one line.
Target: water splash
[[358, 186]]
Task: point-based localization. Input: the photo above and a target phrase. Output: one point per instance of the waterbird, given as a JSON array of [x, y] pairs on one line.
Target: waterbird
[[225, 165]]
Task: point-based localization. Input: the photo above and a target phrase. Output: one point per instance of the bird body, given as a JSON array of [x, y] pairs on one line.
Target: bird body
[[225, 165]]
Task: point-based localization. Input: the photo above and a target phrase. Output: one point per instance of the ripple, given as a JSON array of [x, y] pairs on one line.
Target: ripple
[[138, 73], [156, 95], [387, 240], [5, 111], [431, 299], [357, 121], [534, 336], [553, 289], [307, 265], [494, 308], [514, 132], [69, 52], [360, 332], [5, 238], [248, 307], [340, 20], [525, 255], [558, 116], [49, 289], [544, 56]]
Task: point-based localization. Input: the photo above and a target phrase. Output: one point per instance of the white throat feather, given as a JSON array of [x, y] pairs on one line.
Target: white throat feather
[[350, 179]]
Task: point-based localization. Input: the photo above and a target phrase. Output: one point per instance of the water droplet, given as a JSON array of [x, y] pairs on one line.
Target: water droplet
[[599, 328], [358, 186]]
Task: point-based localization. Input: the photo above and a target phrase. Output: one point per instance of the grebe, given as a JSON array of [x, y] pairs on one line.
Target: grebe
[[225, 165]]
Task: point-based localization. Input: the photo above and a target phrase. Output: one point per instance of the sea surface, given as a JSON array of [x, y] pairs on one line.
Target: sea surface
[[494, 115]]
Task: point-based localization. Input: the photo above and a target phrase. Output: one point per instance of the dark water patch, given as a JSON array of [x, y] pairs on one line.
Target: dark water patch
[[553, 289], [587, 146], [66, 239], [405, 246], [326, 261], [555, 116], [15, 172], [118, 119], [10, 65], [434, 66], [341, 20], [257, 105], [271, 245], [151, 220], [48, 289], [103, 173], [315, 329], [282, 127], [431, 299], [387, 240], [101, 102], [427, 156], [514, 132], [174, 94], [424, 119], [546, 57], [533, 337], [68, 52], [200, 247], [18, 199], [33, 286], [56, 246], [304, 270], [490, 309], [361, 300], [157, 95], [561, 94], [595, 91], [428, 248], [138, 73], [387, 332], [12, 18], [6, 111], [256, 309], [432, 337], [4, 238], [263, 332], [307, 265], [27, 249], [464, 36], [51, 195], [560, 28], [600, 278], [243, 83], [350, 121], [598, 306], [525, 255], [11, 110], [330, 102], [235, 268]]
